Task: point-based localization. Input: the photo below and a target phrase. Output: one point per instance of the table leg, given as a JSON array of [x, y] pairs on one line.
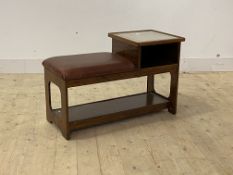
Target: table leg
[[172, 108], [150, 83], [64, 111]]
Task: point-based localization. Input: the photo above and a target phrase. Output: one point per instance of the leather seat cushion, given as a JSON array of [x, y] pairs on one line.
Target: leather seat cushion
[[75, 67]]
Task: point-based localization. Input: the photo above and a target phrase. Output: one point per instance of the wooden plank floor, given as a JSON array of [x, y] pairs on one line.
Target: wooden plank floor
[[197, 141]]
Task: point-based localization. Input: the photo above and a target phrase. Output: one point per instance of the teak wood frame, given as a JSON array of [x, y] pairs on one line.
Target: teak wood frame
[[61, 116]]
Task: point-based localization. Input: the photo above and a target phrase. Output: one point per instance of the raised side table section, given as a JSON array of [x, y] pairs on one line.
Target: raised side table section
[[150, 49]]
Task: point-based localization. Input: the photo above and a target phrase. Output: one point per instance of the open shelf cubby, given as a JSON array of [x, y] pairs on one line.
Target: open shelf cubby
[[159, 55]]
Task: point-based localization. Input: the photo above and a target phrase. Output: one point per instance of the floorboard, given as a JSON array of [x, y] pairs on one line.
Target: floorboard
[[198, 140]]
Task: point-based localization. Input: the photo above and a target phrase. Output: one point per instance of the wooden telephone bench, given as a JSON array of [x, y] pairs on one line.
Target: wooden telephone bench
[[134, 54]]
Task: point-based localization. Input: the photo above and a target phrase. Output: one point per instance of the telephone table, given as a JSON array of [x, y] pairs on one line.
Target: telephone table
[[134, 54]]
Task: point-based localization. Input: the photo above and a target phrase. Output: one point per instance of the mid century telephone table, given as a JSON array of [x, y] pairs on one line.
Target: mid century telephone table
[[134, 54]]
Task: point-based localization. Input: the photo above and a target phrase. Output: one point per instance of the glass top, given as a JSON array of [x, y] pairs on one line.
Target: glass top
[[145, 36]]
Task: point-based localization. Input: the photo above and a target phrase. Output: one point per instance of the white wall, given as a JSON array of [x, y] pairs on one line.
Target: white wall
[[37, 29]]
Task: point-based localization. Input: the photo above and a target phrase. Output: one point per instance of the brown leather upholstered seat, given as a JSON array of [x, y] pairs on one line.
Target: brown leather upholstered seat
[[75, 67]]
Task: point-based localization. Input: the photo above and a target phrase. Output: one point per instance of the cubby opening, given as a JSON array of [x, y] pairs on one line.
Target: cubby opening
[[159, 55]]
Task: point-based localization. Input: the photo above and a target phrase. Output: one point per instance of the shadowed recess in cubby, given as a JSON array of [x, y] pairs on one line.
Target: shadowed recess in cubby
[[158, 55]]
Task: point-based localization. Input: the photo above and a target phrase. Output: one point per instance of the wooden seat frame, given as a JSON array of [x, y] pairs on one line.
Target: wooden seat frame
[[67, 127]]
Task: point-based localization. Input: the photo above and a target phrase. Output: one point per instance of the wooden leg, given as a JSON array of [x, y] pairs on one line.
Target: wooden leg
[[172, 108], [64, 112], [150, 83], [48, 99]]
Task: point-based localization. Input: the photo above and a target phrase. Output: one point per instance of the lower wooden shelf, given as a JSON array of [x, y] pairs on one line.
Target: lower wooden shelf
[[85, 115]]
